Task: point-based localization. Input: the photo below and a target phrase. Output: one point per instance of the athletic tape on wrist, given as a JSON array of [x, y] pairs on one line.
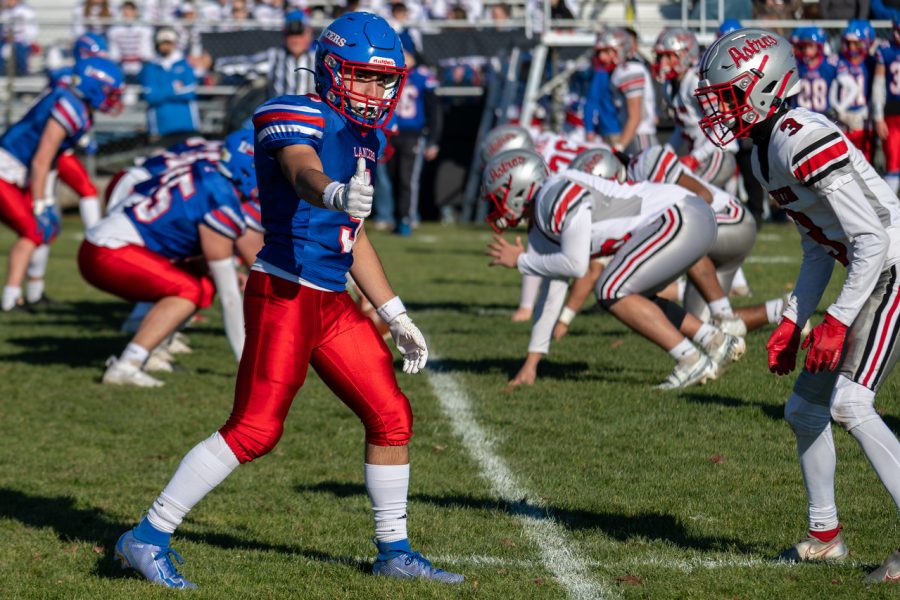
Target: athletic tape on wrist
[[566, 316], [391, 309], [331, 194]]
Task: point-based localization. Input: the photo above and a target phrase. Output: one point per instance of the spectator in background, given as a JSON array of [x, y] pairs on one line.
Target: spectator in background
[[160, 11], [215, 12], [844, 9], [269, 12], [457, 13], [91, 16], [130, 42], [170, 89], [560, 10], [885, 9], [418, 119], [24, 34], [600, 114], [399, 20], [239, 11]]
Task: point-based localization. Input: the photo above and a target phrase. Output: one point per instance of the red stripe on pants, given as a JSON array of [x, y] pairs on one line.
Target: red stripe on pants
[[17, 211], [139, 275], [290, 327]]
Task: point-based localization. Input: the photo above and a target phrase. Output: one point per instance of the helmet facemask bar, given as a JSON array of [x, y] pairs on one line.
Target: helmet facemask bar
[[673, 70], [505, 215], [363, 109], [112, 102], [725, 108]]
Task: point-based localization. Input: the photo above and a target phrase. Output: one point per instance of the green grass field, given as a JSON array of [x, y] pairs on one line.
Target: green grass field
[[656, 495]]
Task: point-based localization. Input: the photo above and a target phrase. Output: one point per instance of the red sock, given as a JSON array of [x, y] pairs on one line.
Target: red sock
[[828, 535]]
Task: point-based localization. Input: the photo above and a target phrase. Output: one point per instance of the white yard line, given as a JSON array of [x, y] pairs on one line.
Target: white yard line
[[559, 554], [772, 259]]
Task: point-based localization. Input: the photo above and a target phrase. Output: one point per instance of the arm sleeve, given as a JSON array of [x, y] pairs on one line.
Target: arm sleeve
[[188, 89], [225, 277], [550, 302], [530, 285], [879, 96], [568, 259], [815, 273], [157, 88]]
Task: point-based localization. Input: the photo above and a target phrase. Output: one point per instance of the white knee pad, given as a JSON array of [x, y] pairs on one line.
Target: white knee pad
[[852, 404], [806, 417]]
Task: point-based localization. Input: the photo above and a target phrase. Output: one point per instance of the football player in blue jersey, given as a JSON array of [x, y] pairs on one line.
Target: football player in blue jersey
[[821, 88], [137, 253], [855, 61], [313, 159], [886, 105], [28, 149]]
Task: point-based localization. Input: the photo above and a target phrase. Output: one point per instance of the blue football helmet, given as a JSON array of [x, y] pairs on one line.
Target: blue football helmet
[[729, 25], [360, 45], [99, 81], [88, 45], [236, 162], [804, 36], [859, 31]]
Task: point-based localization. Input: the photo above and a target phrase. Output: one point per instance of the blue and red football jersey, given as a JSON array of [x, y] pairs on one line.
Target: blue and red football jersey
[[183, 154], [58, 103], [410, 112], [862, 74], [815, 83], [176, 203], [889, 56], [252, 215], [309, 243]]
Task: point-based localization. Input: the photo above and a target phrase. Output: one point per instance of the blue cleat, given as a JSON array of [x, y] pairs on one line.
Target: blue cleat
[[153, 562], [397, 560]]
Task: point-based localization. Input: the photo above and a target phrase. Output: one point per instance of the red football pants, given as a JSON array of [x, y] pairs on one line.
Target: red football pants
[[290, 327], [139, 275], [73, 174], [17, 211], [891, 145], [863, 139]]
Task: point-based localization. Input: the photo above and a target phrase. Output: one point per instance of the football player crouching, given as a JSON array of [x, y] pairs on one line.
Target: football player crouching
[[654, 232], [138, 253], [845, 213]]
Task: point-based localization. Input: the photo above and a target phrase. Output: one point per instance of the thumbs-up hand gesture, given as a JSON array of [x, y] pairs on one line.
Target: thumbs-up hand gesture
[[355, 197]]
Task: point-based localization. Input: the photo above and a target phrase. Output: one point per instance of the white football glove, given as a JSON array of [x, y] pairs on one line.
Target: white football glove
[[354, 197], [410, 342], [407, 337]]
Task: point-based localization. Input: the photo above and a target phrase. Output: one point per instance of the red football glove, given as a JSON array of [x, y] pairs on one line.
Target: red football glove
[[825, 343], [690, 162], [782, 347]]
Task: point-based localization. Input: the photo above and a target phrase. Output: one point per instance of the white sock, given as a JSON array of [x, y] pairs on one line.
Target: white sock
[[34, 289], [134, 353], [706, 335], [681, 284], [817, 463], [37, 264], [683, 350], [202, 469], [740, 280], [774, 308], [530, 286], [721, 307], [893, 181], [89, 208], [11, 295], [388, 486]]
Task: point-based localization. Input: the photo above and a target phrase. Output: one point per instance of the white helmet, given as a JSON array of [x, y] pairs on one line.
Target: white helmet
[[510, 183], [657, 164], [505, 137], [679, 43], [745, 77], [600, 162], [617, 39]]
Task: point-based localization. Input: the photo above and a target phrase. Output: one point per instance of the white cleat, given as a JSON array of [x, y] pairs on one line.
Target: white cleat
[[725, 350], [123, 372], [687, 373], [159, 361], [731, 325], [888, 572], [811, 549], [178, 344]]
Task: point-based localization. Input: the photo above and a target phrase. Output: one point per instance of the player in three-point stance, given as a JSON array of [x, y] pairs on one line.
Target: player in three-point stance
[[845, 212], [313, 156]]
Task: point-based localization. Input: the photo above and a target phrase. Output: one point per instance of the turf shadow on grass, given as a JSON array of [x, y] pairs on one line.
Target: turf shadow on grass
[[618, 526], [94, 526], [459, 307], [549, 369], [772, 411], [43, 350], [92, 315]]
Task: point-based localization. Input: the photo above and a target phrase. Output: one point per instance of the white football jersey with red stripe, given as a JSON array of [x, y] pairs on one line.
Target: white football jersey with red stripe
[[558, 151], [616, 209], [630, 79], [838, 202]]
